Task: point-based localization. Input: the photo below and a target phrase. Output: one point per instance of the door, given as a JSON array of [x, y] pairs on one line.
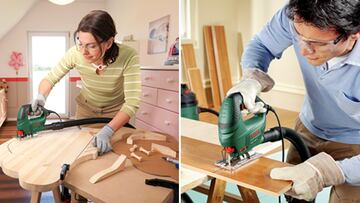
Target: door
[[45, 51]]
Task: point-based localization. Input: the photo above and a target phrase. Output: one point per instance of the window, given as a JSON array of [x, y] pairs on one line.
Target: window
[[45, 51]]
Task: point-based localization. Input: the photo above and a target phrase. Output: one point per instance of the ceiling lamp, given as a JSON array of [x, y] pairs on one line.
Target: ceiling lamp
[[61, 2]]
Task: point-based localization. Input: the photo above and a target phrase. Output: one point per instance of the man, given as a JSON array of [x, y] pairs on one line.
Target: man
[[324, 35]]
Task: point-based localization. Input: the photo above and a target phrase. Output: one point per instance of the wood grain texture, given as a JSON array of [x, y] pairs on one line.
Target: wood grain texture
[[222, 59], [36, 162], [188, 56], [196, 86], [126, 186], [211, 63], [200, 156], [117, 166]]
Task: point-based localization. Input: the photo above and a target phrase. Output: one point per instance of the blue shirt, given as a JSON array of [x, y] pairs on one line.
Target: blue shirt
[[331, 108]]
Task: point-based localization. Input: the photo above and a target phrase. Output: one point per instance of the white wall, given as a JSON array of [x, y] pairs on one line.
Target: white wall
[[133, 17], [248, 17], [44, 16]]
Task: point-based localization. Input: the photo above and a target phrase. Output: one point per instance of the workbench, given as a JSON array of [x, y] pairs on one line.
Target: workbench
[[37, 161], [200, 148]]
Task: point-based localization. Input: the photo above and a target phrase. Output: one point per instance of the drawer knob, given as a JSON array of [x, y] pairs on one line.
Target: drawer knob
[[147, 78], [167, 123], [144, 113], [145, 94], [168, 101]]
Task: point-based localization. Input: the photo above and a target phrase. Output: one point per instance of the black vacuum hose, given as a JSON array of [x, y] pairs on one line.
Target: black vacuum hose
[[274, 135], [85, 121]]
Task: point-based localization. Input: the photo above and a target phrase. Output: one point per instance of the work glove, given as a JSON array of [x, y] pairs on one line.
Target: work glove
[[254, 81], [310, 177], [35, 105], [102, 140]]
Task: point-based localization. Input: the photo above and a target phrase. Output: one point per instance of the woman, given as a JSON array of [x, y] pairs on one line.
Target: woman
[[110, 74]]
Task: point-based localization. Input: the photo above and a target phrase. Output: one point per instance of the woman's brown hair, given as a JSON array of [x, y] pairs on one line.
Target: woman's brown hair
[[101, 25]]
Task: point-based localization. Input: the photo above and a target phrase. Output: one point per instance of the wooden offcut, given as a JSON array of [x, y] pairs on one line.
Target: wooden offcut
[[163, 150], [145, 136], [222, 59], [118, 165], [210, 57]]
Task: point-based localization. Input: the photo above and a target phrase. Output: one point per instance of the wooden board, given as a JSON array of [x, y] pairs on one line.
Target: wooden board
[[126, 186], [153, 164], [188, 56], [196, 86], [37, 161], [222, 59], [200, 156], [210, 57], [240, 50]]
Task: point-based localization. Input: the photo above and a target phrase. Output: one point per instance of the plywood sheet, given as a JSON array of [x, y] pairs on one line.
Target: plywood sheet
[[125, 186], [200, 156], [153, 164], [36, 162]]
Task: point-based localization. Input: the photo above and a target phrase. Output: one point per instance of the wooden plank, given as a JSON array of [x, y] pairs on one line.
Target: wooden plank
[[188, 56], [200, 156], [37, 161], [222, 60], [240, 50], [120, 187], [210, 57], [191, 179], [196, 86]]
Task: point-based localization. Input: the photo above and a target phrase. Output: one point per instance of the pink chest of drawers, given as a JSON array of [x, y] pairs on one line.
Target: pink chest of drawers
[[159, 107]]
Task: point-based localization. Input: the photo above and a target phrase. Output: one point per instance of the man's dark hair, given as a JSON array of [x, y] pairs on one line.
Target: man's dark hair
[[102, 27], [341, 15]]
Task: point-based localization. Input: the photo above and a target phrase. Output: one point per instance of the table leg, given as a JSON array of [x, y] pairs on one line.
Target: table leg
[[217, 191], [73, 197], [56, 194], [248, 195], [35, 197]]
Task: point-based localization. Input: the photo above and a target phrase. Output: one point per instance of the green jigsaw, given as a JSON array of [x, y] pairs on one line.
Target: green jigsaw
[[239, 136]]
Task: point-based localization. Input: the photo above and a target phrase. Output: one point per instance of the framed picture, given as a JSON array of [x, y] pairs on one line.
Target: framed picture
[[158, 35]]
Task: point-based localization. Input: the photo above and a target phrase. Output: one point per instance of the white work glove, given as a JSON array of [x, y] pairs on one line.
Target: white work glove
[[254, 81], [249, 89], [102, 140], [310, 177], [35, 105]]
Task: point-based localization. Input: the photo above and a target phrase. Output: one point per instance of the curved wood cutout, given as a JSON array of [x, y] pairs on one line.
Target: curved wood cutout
[[145, 136], [118, 165]]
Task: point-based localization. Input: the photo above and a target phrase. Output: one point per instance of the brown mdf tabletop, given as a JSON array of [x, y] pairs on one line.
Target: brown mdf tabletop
[[127, 185], [201, 156]]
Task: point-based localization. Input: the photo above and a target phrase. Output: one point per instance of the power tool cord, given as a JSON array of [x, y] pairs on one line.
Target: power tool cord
[[282, 138]]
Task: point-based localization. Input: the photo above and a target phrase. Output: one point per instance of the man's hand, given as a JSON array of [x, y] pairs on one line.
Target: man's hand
[[249, 89], [310, 177], [254, 81], [102, 140], [35, 105]]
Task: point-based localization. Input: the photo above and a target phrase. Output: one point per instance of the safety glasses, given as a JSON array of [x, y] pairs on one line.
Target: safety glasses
[[313, 45]]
